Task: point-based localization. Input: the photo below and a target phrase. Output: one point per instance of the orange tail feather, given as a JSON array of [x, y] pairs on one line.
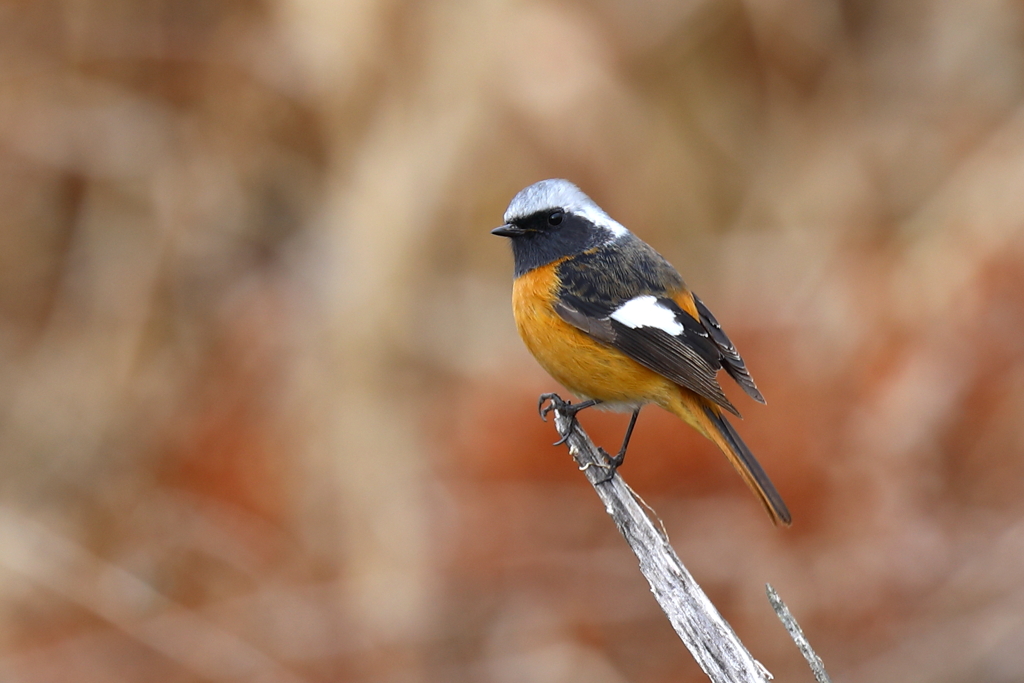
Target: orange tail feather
[[708, 419]]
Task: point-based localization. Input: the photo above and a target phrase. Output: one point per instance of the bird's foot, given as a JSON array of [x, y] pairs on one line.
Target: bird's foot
[[610, 467], [554, 402]]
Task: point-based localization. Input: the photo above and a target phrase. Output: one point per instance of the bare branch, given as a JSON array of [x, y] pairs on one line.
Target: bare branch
[[797, 634], [702, 629]]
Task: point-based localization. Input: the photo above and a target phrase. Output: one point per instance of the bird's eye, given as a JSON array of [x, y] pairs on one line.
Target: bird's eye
[[555, 218]]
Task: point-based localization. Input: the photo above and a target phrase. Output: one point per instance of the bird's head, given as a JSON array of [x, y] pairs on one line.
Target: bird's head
[[553, 219]]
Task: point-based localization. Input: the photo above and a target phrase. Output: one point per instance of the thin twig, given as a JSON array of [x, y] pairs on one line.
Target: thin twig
[[797, 634], [710, 639]]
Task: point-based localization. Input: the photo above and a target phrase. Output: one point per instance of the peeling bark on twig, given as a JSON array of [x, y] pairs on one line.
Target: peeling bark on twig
[[797, 634], [705, 633]]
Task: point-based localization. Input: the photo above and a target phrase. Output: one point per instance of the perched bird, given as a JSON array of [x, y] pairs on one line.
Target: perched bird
[[611, 320]]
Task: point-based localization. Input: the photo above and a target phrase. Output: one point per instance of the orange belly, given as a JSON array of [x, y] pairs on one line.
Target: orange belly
[[582, 365]]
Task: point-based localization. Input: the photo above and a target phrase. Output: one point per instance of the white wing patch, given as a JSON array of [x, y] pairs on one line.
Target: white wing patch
[[645, 311]]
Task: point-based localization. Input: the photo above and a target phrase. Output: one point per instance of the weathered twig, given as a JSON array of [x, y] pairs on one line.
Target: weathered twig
[[702, 629], [797, 634]]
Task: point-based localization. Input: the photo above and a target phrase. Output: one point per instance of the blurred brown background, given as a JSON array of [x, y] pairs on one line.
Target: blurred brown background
[[264, 415]]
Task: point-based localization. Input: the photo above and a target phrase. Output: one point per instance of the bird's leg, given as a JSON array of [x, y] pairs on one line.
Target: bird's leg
[[556, 403], [616, 462]]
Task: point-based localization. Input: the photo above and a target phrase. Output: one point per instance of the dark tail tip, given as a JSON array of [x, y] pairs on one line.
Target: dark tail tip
[[750, 469]]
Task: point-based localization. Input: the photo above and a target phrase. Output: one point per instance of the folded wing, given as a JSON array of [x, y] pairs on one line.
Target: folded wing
[[658, 334], [731, 360]]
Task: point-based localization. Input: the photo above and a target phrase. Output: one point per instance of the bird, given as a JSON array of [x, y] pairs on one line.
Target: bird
[[612, 321]]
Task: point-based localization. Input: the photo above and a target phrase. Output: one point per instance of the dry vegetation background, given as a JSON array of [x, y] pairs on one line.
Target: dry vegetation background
[[264, 415]]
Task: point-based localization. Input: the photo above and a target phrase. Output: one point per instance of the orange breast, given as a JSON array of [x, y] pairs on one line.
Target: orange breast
[[586, 367]]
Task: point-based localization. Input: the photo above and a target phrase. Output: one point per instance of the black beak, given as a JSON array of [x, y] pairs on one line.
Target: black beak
[[508, 230]]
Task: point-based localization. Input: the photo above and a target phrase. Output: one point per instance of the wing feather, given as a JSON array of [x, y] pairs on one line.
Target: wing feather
[[731, 360], [688, 358], [596, 284]]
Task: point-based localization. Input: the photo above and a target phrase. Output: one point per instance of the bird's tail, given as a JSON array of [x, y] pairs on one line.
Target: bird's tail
[[709, 420]]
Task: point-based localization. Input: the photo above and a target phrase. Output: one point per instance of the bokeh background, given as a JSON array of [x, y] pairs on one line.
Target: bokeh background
[[264, 415]]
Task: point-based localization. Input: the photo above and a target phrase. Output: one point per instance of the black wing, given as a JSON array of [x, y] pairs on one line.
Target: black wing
[[731, 360], [595, 284], [689, 358]]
